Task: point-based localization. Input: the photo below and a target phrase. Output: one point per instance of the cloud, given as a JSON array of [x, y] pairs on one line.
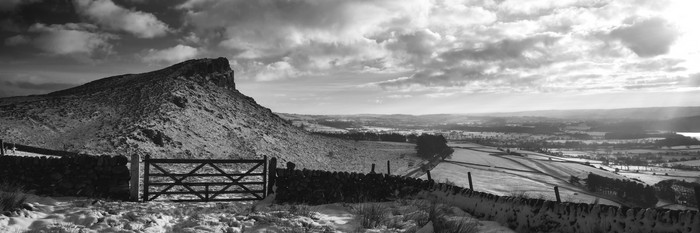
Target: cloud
[[502, 50], [106, 13], [10, 5], [175, 54], [399, 96], [694, 80], [38, 86], [648, 37], [70, 39], [16, 40], [276, 71], [316, 36], [650, 65], [465, 45]]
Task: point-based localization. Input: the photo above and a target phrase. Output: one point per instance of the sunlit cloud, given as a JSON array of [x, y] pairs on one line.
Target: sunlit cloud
[[175, 54], [106, 13]]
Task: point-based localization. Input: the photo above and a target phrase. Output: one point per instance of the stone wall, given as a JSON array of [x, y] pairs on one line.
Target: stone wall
[[75, 175], [520, 214], [320, 187]]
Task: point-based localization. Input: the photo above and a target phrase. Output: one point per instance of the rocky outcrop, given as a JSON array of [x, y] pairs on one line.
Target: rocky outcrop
[[187, 110]]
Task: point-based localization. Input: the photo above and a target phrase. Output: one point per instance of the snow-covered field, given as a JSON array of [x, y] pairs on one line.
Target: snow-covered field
[[533, 175]]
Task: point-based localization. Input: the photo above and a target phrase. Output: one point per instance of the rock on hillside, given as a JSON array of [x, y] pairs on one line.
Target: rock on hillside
[[188, 110]]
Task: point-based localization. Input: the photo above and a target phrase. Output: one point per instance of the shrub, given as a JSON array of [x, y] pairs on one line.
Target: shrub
[[371, 214], [438, 214], [12, 197]]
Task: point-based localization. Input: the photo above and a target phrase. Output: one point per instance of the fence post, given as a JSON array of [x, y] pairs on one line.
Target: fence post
[[469, 176], [429, 178], [372, 172], [134, 187], [697, 195], [264, 176], [273, 175], [2, 148], [388, 167], [556, 192], [146, 167]]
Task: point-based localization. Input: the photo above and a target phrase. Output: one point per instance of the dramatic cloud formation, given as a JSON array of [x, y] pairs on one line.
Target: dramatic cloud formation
[[374, 53], [113, 17], [175, 54]]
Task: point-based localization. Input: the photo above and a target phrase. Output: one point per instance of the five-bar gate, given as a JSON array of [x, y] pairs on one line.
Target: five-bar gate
[[205, 179]]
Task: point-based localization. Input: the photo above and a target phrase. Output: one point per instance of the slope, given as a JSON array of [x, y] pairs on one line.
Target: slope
[[188, 110]]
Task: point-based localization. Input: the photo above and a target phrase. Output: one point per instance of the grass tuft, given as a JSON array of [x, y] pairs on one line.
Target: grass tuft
[[371, 214], [12, 196]]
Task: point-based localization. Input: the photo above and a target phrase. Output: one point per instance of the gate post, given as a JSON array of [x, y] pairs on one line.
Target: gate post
[[272, 175], [388, 167], [146, 167], [264, 176], [134, 185], [469, 176]]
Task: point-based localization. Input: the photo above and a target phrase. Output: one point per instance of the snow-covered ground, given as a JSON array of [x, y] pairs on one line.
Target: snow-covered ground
[[70, 214]]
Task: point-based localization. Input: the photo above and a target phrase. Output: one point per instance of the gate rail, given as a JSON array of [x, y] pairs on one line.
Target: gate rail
[[209, 193]]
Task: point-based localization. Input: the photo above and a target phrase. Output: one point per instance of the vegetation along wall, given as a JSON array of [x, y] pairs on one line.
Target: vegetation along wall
[[73, 175], [521, 214]]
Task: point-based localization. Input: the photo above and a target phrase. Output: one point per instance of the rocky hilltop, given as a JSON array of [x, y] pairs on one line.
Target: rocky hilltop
[[188, 110]]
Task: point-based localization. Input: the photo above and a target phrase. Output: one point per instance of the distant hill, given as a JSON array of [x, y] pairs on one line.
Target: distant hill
[[655, 113], [658, 118], [188, 110]]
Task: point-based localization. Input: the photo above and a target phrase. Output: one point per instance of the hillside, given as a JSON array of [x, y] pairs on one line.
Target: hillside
[[188, 110]]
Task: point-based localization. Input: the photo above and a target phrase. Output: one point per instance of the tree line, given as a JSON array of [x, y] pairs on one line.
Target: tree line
[[643, 195], [368, 136]]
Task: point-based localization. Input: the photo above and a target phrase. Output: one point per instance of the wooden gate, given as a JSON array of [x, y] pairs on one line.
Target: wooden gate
[[205, 179]]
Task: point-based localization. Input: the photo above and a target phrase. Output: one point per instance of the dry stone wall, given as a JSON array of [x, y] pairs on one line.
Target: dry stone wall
[[75, 175], [520, 214], [319, 187]]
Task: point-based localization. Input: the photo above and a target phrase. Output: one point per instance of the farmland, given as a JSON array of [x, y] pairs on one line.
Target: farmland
[[514, 175], [531, 174]]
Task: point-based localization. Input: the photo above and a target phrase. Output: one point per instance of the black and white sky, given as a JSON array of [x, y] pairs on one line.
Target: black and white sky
[[372, 56]]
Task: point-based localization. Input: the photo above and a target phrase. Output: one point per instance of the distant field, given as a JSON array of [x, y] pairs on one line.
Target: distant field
[[688, 163], [499, 182], [536, 174], [533, 175], [649, 178], [484, 158]]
